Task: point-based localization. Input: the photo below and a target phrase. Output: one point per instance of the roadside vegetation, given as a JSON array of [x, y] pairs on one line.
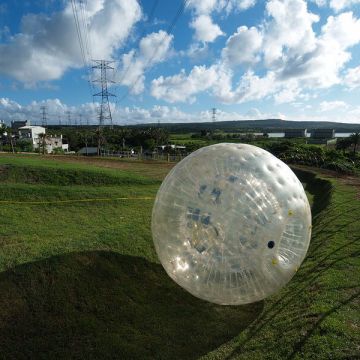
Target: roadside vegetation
[[80, 278]]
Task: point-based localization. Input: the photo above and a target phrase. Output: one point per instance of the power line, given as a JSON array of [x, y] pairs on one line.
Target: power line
[[169, 31], [150, 19], [80, 30]]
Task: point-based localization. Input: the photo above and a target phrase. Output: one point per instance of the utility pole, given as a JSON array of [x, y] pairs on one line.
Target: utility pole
[[80, 119], [43, 113], [104, 110], [59, 118], [68, 113], [214, 115]]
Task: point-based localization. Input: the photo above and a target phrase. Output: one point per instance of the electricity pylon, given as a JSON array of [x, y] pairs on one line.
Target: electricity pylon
[[104, 110], [43, 113]]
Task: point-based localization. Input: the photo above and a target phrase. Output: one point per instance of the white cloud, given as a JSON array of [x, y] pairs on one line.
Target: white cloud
[[182, 87], [203, 6], [216, 79], [153, 49], [243, 4], [333, 105], [289, 93], [295, 59], [47, 46], [252, 87], [342, 4], [288, 32], [352, 77], [243, 46], [321, 67], [11, 110], [338, 5], [205, 29]]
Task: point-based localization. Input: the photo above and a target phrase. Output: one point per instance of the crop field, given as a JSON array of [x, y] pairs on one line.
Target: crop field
[[80, 279]]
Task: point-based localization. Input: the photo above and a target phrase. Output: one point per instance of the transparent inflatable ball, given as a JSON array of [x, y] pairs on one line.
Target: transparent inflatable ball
[[231, 224]]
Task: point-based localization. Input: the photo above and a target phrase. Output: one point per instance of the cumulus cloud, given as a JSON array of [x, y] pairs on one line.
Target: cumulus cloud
[[352, 77], [321, 66], [11, 110], [182, 87], [243, 46], [292, 57], [337, 5], [332, 105], [288, 32], [215, 79], [205, 29], [153, 49], [47, 46]]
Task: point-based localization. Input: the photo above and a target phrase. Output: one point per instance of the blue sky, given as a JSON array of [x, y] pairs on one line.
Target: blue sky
[[251, 59]]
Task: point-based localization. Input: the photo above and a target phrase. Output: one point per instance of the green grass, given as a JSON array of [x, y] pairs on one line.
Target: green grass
[[81, 279]]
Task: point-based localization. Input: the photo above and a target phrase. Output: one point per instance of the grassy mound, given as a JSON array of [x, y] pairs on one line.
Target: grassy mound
[[10, 173]]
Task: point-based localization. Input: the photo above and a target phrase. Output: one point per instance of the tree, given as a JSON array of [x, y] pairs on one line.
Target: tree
[[355, 140], [9, 133], [42, 143], [343, 144], [2, 132], [100, 139]]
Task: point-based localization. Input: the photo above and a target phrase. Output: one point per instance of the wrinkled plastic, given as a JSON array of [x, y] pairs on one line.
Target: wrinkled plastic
[[231, 224]]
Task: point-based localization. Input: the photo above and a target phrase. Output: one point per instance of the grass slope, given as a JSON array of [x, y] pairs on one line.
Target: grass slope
[[82, 280], [316, 315]]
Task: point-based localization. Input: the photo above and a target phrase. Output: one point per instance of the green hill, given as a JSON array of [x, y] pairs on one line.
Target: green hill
[[268, 125]]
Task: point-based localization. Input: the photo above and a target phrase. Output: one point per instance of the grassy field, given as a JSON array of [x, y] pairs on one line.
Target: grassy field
[[80, 277]]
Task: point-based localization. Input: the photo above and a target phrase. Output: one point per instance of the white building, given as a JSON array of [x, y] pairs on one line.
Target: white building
[[33, 134], [55, 142]]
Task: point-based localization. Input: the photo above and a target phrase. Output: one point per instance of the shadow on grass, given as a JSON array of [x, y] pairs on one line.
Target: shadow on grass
[[106, 305]]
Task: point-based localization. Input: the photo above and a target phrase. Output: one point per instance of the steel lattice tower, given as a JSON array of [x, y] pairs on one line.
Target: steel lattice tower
[[44, 115], [68, 113], [104, 110], [214, 114]]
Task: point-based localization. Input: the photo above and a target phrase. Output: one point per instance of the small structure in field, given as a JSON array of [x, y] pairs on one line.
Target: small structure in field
[[295, 133], [323, 136]]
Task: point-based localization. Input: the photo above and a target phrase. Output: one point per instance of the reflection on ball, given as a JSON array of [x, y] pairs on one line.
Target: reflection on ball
[[231, 224]]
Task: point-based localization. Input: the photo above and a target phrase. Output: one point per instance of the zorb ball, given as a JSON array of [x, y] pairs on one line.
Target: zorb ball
[[231, 224]]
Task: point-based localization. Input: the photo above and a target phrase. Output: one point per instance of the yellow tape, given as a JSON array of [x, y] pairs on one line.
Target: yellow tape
[[72, 201]]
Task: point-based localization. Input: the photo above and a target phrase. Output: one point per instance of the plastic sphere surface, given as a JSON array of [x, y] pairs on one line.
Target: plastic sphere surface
[[231, 224]]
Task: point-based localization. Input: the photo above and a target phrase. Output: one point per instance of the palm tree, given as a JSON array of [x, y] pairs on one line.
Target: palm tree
[[355, 140]]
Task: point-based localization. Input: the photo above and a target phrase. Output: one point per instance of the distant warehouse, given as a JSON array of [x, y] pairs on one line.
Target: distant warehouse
[[323, 136], [295, 133]]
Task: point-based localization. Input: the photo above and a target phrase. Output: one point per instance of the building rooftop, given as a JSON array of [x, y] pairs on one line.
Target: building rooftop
[[28, 127]]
